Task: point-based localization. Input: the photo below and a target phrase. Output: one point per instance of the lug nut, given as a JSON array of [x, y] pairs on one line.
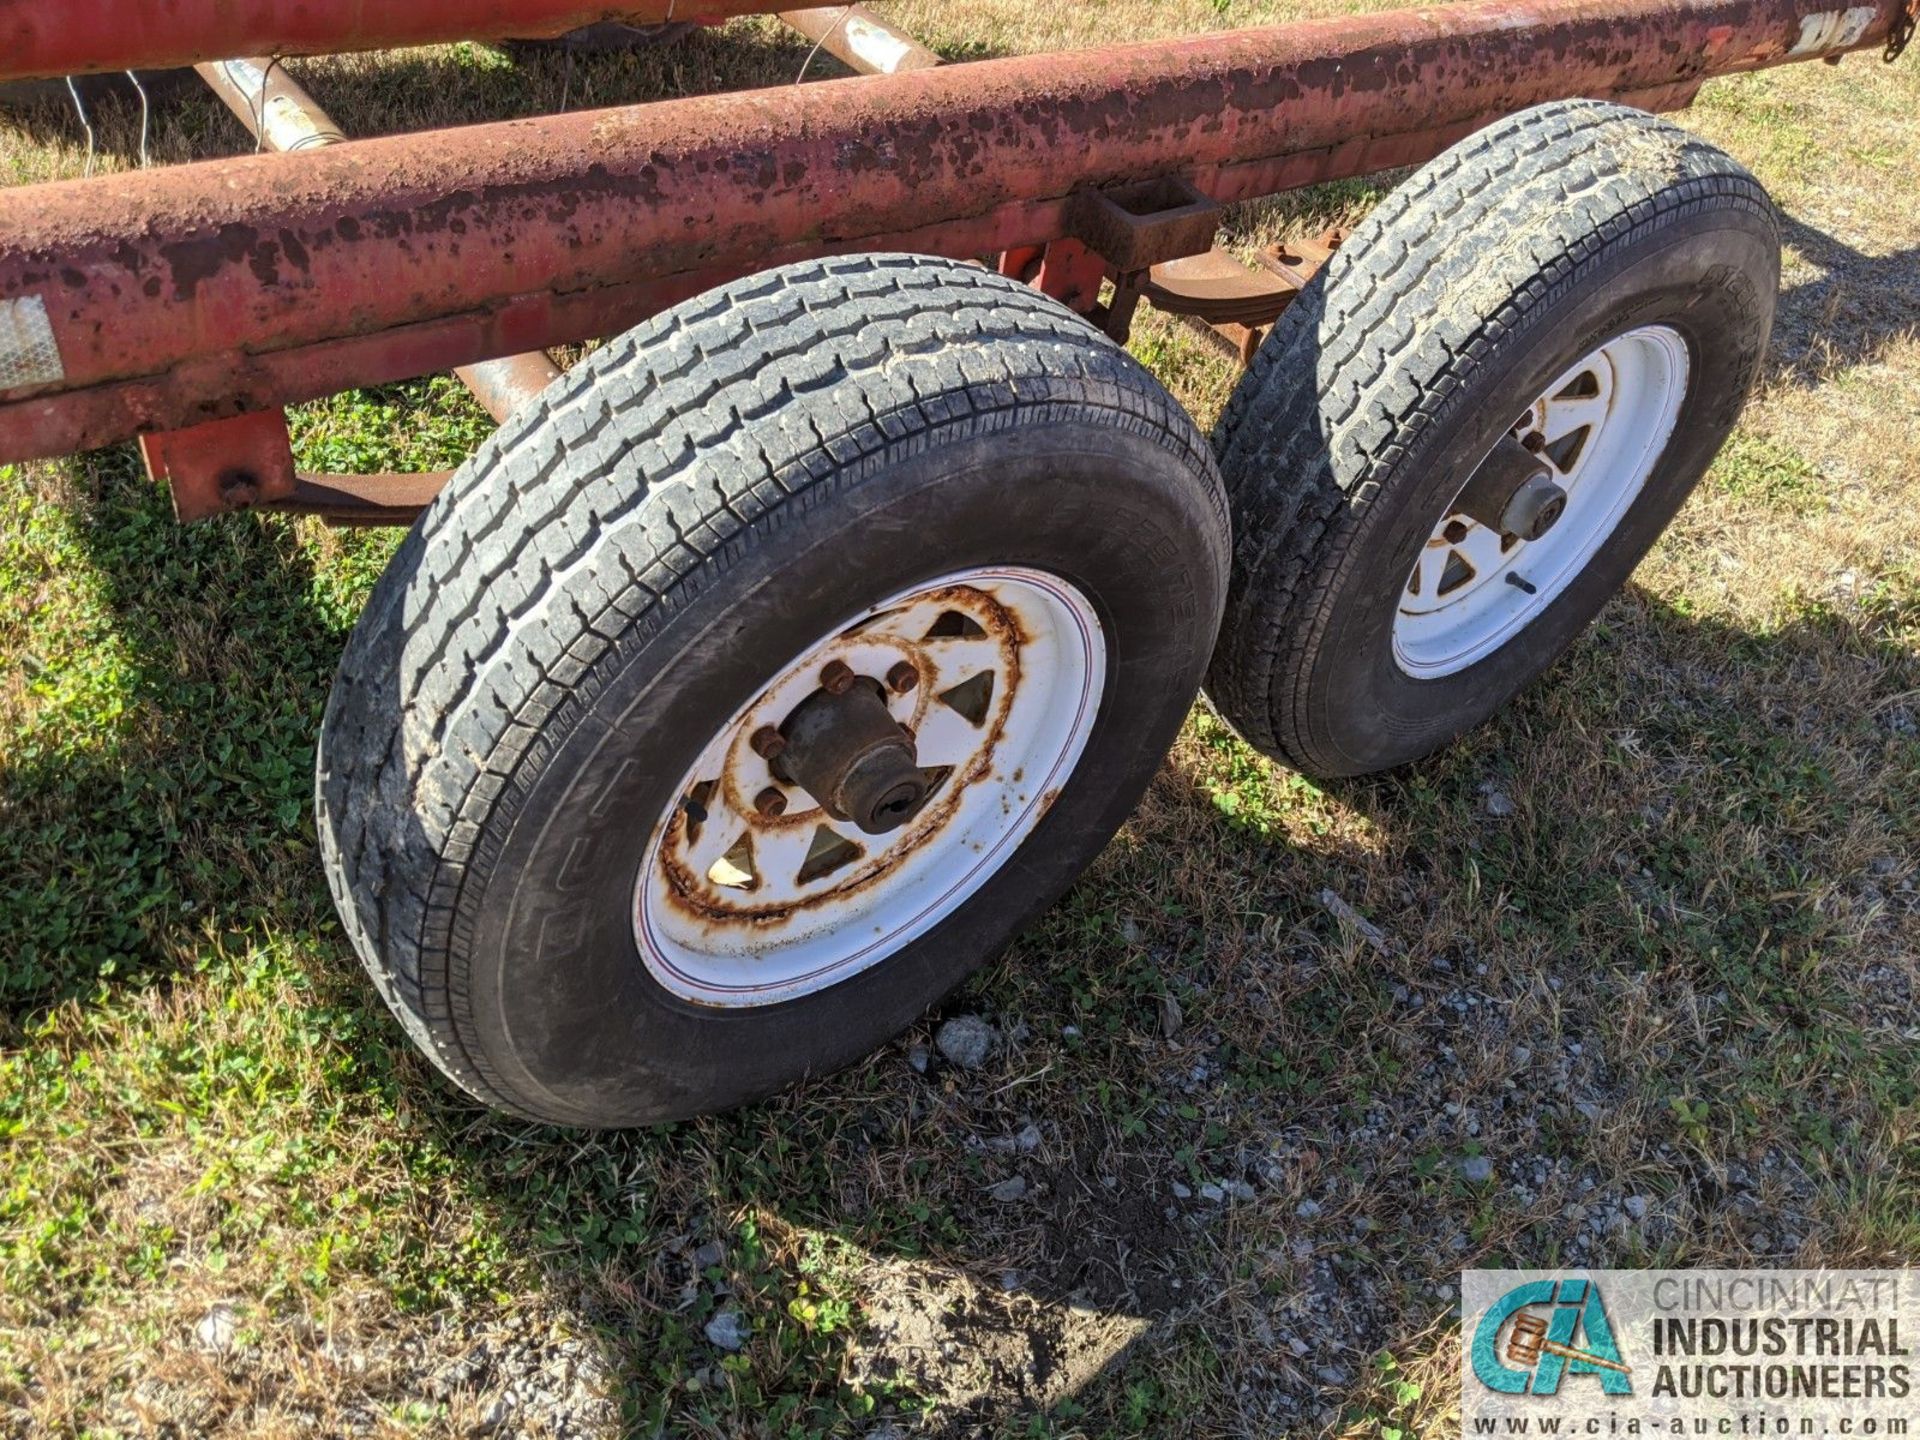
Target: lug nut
[[768, 742], [770, 803], [837, 678], [903, 677]]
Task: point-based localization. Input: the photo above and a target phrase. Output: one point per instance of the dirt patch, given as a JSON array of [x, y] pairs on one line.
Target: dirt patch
[[969, 1346]]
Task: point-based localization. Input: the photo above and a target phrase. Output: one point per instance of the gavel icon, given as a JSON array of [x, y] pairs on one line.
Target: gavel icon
[[1528, 1342]]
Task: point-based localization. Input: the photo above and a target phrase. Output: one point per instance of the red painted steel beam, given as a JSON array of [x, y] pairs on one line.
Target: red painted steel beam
[[70, 37], [281, 115], [177, 296]]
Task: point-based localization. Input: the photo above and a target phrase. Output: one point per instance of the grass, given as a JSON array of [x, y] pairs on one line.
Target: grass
[[1681, 971]]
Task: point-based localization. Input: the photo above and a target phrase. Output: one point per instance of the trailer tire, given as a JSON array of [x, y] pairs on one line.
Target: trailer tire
[[1366, 626], [762, 480]]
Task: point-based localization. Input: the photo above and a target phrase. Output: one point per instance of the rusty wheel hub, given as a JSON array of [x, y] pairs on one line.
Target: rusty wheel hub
[[853, 759], [875, 784]]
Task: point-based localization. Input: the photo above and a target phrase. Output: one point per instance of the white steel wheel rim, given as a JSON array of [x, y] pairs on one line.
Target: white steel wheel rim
[[1602, 427], [792, 913]]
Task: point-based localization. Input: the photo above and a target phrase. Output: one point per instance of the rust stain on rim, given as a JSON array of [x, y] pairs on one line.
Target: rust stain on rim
[[684, 887]]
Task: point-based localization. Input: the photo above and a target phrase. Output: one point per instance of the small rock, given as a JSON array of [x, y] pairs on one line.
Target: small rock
[[966, 1040], [1521, 1054], [1476, 1169], [1298, 1346], [1332, 1375], [215, 1329], [1239, 1190], [1009, 1190], [1172, 1017], [1181, 1192], [919, 1057], [711, 1253], [1212, 1192], [1028, 1140], [498, 1413], [1636, 1206], [1307, 1209], [1499, 804], [1069, 1032], [729, 1330], [1131, 932]]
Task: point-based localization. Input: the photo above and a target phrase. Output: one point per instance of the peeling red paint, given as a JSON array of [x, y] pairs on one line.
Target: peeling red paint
[[177, 296]]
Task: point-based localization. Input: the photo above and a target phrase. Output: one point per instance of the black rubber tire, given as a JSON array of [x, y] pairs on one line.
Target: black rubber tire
[[619, 569], [1459, 299]]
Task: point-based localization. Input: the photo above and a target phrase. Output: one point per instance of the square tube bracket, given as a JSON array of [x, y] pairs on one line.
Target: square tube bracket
[[1139, 226]]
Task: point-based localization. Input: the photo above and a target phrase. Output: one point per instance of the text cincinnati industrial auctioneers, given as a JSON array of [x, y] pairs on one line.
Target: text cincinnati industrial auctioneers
[[1776, 1356]]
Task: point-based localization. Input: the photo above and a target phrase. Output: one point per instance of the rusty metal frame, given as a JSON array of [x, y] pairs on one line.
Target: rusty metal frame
[[223, 464], [280, 115], [177, 297]]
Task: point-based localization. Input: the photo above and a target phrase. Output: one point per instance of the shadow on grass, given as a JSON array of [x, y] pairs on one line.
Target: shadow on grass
[[1235, 1118], [1847, 316], [166, 798]]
